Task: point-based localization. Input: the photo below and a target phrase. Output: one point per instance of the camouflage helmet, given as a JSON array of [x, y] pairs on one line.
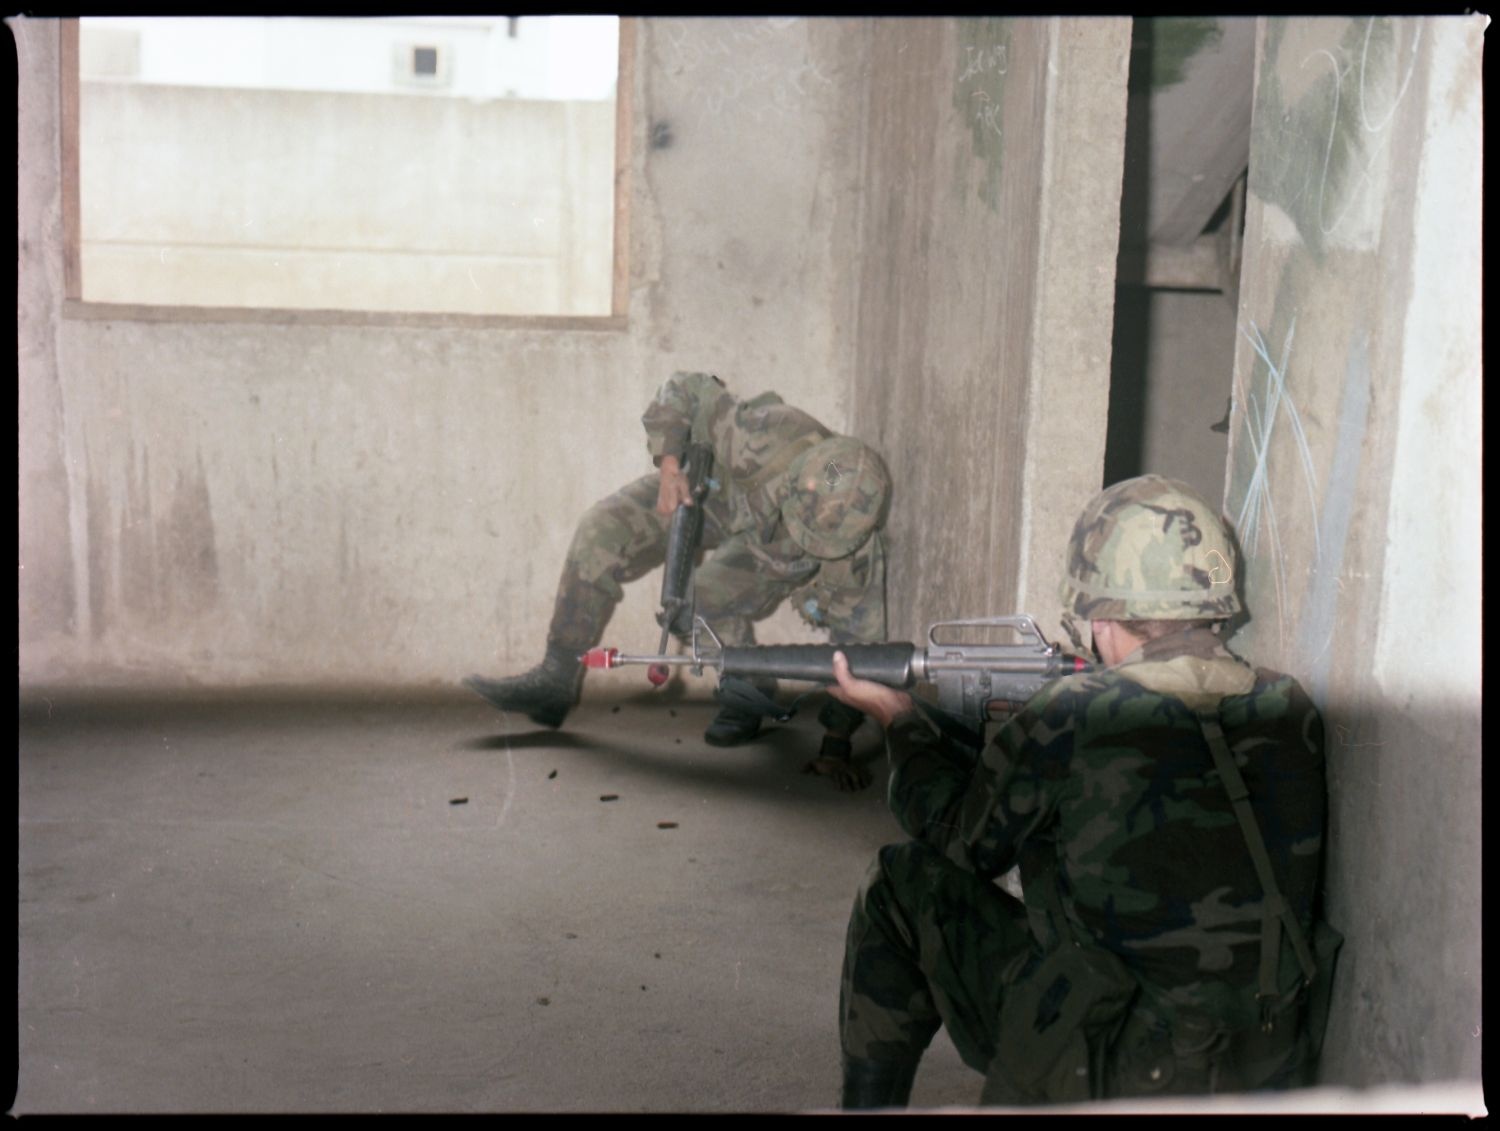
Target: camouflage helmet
[[1150, 548], [837, 491]]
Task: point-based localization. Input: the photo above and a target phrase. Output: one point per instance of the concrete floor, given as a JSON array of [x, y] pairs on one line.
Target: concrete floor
[[272, 902], [269, 902]]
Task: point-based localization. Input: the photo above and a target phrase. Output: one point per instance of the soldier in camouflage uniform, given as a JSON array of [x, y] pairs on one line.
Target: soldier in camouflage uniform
[[793, 513], [1147, 956]]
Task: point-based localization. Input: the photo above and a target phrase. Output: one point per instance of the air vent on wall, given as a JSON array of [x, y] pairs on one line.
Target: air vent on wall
[[422, 65]]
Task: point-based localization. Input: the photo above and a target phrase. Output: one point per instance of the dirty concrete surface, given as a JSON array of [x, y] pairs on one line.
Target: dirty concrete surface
[[360, 902]]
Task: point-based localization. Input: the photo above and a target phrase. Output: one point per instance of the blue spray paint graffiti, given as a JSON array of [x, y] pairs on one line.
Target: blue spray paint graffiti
[[1260, 422], [1331, 517], [1320, 603]]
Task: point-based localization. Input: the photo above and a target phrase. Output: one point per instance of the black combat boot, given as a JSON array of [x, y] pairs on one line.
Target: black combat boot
[[876, 1083], [545, 694], [732, 727], [743, 703]]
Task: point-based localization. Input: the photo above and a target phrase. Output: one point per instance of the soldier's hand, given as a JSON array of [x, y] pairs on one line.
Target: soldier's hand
[[673, 488], [880, 702], [835, 761], [843, 772]]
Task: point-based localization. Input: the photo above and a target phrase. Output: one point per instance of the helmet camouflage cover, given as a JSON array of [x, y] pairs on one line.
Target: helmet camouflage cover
[[837, 497], [1150, 548]]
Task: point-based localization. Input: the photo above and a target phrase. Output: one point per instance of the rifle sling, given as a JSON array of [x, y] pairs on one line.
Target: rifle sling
[[1277, 910]]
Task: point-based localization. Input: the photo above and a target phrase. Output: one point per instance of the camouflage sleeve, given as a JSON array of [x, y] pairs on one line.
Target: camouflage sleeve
[[930, 775], [1018, 783], [848, 596], [982, 812], [684, 399]]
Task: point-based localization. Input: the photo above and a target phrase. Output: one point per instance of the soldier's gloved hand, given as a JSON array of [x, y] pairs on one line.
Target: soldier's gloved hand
[[835, 761]]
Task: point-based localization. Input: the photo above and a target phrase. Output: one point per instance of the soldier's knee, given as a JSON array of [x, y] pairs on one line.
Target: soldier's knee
[[604, 522], [606, 541], [903, 862], [896, 874]]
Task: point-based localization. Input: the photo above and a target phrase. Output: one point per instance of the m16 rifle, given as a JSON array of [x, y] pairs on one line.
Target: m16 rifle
[[973, 680], [683, 539]]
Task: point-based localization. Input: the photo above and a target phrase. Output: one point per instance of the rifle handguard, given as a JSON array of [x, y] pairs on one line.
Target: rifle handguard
[[684, 536], [889, 663]]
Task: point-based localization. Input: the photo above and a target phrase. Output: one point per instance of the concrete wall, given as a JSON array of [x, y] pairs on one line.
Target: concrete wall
[[991, 177], [1169, 387], [1187, 140], [243, 503], [1354, 481], [346, 201], [900, 227], [1191, 355]]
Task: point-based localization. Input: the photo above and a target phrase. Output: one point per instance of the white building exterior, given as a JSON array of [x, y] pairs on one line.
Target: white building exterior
[[436, 165], [550, 58]]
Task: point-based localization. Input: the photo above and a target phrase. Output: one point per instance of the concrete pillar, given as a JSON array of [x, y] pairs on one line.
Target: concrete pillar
[[993, 153], [1354, 483], [1079, 233]]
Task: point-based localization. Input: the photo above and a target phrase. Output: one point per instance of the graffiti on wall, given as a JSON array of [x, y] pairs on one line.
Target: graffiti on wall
[[1327, 130], [1324, 112], [1255, 518], [1305, 620], [983, 59]]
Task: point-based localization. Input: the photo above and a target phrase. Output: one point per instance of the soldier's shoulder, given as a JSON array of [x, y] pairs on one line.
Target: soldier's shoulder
[[1080, 687], [776, 419], [1272, 685], [697, 375], [1277, 699], [1084, 701], [764, 400]]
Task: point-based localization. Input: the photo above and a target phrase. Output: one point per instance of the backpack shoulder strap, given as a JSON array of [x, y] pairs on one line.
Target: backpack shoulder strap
[[1278, 912]]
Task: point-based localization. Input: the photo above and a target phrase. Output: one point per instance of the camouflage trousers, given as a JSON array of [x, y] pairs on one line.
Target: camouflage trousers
[[622, 538], [929, 945]]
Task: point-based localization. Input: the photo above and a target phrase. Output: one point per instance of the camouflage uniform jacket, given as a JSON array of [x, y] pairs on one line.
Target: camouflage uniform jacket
[[1104, 791], [754, 445]]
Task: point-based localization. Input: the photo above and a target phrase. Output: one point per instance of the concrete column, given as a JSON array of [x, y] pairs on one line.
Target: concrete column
[[1354, 483], [52, 583], [1067, 403]]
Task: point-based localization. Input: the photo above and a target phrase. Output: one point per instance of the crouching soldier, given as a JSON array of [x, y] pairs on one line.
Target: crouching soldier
[[793, 513], [1166, 812]]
